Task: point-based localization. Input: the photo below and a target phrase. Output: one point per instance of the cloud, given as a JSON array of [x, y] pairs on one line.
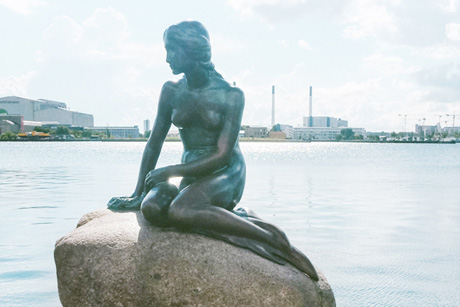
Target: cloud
[[374, 104], [439, 85], [395, 23], [246, 7], [61, 39], [65, 29], [23, 6], [96, 65], [438, 52], [16, 86], [284, 43], [391, 65], [106, 30], [445, 76], [449, 6], [304, 44], [367, 18], [103, 36], [225, 45], [275, 11], [453, 31]]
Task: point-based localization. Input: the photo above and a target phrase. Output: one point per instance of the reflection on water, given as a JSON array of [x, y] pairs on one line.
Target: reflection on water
[[382, 221]]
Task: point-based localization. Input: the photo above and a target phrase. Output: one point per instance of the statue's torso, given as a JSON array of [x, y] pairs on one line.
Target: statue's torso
[[200, 115]]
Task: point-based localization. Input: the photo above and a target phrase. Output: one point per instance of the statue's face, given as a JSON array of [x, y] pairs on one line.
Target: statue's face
[[177, 58]]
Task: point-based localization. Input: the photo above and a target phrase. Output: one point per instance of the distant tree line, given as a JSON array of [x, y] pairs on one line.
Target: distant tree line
[[348, 134], [60, 131]]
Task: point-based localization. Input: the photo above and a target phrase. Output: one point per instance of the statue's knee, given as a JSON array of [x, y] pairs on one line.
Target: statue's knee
[[154, 213], [156, 203]]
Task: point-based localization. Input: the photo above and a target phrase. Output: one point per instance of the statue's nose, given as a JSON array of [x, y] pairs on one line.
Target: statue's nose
[[169, 57]]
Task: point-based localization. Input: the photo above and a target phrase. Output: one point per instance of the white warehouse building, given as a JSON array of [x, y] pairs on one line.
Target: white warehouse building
[[118, 132], [318, 133], [43, 110]]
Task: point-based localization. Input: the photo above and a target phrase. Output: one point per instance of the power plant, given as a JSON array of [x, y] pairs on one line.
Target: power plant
[[310, 109], [314, 127]]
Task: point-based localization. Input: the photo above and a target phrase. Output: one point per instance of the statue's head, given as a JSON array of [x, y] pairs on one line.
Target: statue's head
[[193, 38]]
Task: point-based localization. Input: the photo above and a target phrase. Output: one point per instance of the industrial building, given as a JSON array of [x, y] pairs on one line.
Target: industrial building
[[425, 130], [11, 123], [255, 132], [318, 133], [45, 111], [451, 130], [23, 115], [323, 128], [118, 132], [146, 125], [324, 121]]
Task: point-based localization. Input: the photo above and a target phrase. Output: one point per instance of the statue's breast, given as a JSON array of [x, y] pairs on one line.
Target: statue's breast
[[200, 111]]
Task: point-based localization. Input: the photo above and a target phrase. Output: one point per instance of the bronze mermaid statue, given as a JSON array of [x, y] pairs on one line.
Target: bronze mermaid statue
[[207, 110]]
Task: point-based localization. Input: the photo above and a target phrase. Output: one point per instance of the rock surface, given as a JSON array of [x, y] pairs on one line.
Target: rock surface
[[119, 259]]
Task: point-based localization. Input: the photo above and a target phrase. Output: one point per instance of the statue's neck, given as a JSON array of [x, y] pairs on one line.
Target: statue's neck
[[197, 78]]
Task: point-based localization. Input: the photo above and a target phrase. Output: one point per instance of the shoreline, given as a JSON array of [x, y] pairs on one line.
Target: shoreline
[[254, 140]]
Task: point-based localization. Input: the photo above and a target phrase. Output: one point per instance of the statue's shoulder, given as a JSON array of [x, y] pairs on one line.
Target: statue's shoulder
[[227, 87], [235, 96], [236, 93], [174, 85], [170, 89]]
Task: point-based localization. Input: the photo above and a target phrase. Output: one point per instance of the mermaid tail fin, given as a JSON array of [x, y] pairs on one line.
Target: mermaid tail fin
[[288, 254], [294, 256]]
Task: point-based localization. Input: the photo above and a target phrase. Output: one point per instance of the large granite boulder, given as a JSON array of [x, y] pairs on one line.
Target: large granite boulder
[[119, 259]]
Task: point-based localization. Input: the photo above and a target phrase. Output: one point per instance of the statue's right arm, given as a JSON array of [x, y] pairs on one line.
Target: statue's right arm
[[157, 136]]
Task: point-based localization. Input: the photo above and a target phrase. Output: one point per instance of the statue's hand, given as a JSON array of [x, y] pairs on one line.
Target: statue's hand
[[126, 203], [156, 176]]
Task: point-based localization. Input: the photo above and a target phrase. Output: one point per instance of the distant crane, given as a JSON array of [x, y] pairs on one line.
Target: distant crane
[[439, 125], [439, 120], [405, 122], [453, 119]]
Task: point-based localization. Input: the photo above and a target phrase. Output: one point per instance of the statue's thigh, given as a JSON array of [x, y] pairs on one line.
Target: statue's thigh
[[223, 189]]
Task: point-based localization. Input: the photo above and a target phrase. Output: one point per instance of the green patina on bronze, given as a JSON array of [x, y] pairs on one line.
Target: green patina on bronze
[[208, 111]]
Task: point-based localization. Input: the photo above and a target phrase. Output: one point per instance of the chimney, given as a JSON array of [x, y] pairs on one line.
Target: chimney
[[310, 119], [273, 106]]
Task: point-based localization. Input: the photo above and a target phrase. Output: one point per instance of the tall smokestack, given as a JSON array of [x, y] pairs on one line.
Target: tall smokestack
[[310, 119], [273, 106]]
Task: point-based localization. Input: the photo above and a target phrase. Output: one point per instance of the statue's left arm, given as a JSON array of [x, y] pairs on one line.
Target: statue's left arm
[[225, 145]]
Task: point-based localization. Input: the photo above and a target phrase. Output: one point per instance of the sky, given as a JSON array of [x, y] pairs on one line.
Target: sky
[[383, 65]]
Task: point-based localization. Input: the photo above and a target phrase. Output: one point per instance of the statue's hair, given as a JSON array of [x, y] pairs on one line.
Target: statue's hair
[[194, 38]]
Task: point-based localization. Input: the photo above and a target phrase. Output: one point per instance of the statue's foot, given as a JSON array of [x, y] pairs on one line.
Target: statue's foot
[[303, 263], [279, 239], [284, 250], [125, 203], [257, 247]]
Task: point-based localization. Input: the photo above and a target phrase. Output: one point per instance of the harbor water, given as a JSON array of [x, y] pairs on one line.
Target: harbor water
[[381, 221]]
